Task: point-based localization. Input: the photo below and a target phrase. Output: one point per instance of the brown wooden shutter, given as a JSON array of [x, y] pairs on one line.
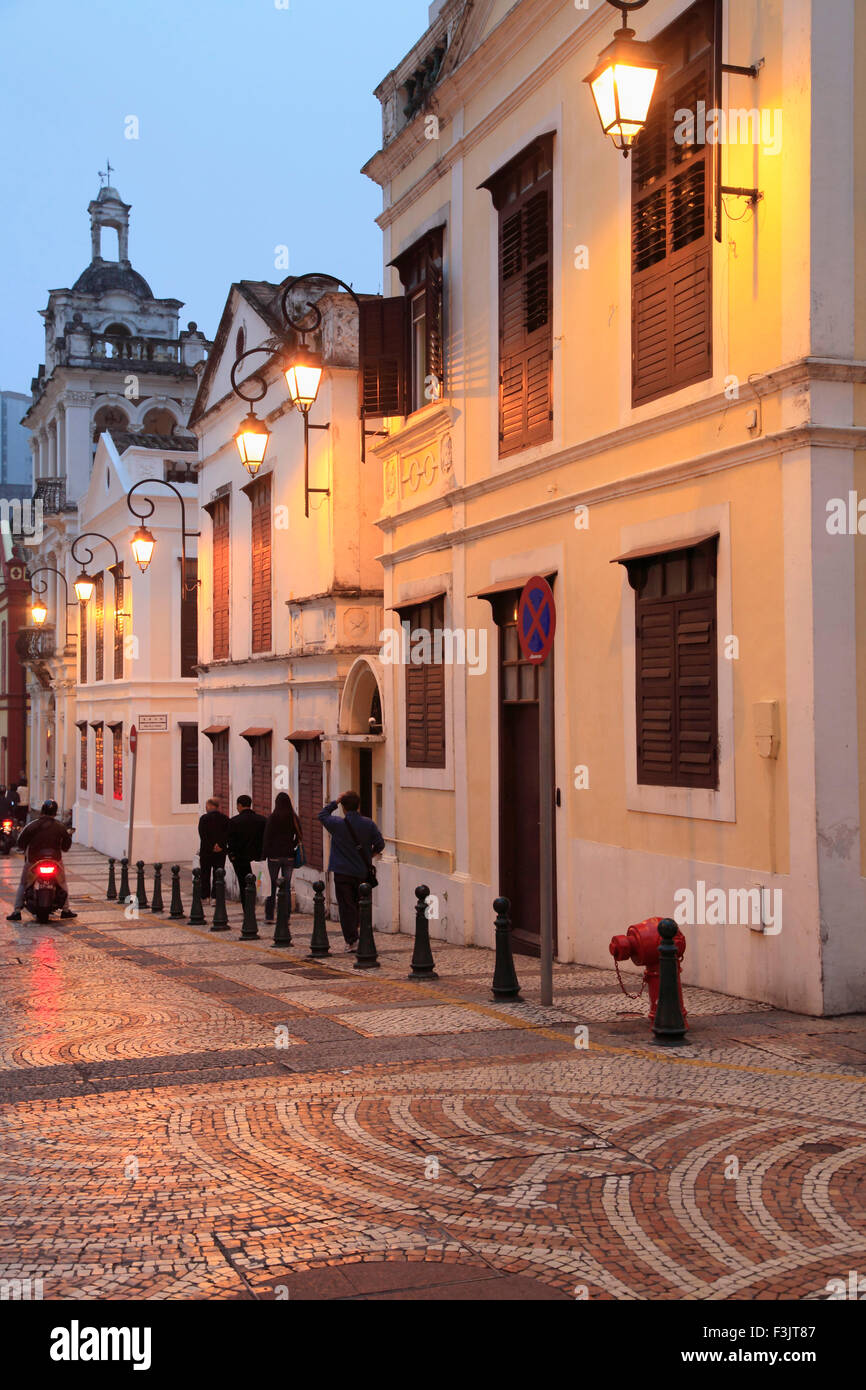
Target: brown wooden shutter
[[677, 669], [99, 759], [260, 498], [117, 571], [671, 221], [220, 745], [262, 775], [117, 760], [189, 620], [425, 692], [219, 511], [82, 751], [189, 765], [656, 693], [310, 800], [383, 345], [82, 643], [697, 693], [525, 307], [99, 626]]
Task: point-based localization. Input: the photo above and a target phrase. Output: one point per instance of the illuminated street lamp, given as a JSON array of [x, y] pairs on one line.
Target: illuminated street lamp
[[623, 81], [84, 586], [85, 583], [38, 612], [303, 373], [143, 543], [252, 441], [38, 609]]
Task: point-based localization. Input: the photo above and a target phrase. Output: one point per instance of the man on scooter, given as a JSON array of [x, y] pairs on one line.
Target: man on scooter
[[43, 838]]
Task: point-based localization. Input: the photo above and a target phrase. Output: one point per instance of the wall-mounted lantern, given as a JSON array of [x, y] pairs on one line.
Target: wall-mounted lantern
[[623, 81]]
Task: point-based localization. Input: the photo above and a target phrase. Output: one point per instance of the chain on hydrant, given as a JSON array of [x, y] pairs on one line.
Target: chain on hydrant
[[640, 945]]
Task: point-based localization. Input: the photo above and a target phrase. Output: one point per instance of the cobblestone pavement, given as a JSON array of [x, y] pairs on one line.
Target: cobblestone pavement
[[186, 1115]]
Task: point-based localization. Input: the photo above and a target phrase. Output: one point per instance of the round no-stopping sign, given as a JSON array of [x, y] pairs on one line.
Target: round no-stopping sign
[[536, 619], [133, 739]]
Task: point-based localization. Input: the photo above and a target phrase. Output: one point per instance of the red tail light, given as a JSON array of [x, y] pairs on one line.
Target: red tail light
[[7, 825], [48, 870]]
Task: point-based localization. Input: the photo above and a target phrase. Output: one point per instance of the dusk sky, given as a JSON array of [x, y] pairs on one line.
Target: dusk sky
[[254, 122]]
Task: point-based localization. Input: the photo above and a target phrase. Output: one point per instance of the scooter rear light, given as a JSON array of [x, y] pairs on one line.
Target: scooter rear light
[[47, 870], [7, 825]]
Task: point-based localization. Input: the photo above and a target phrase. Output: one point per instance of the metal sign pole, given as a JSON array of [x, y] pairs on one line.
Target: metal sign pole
[[133, 748], [546, 830]]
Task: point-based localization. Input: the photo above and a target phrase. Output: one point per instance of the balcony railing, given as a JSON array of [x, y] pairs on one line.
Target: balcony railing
[[36, 643], [52, 494], [129, 349]]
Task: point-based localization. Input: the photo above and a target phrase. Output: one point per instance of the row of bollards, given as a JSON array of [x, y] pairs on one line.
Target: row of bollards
[[505, 982]]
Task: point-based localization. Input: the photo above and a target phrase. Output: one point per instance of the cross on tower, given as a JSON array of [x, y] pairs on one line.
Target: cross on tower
[[105, 179]]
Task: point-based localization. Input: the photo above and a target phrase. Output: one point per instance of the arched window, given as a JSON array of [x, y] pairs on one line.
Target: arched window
[[159, 421], [109, 417]]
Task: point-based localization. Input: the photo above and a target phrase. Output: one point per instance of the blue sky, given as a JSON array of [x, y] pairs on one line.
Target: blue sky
[[254, 122]]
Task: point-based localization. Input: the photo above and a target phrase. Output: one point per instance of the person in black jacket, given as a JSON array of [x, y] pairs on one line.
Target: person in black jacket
[[43, 838], [213, 839], [355, 839], [281, 839], [246, 832]]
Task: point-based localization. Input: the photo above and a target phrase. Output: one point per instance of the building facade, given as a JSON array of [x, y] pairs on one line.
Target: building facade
[[115, 363], [16, 464], [14, 615], [651, 395], [291, 604]]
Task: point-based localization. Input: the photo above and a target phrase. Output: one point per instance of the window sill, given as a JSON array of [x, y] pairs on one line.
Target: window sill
[[417, 427]]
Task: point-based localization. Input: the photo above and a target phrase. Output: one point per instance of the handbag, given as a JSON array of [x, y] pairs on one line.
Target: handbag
[[372, 877], [300, 857]]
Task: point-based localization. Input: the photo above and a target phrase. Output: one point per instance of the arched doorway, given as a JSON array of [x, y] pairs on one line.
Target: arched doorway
[[362, 734]]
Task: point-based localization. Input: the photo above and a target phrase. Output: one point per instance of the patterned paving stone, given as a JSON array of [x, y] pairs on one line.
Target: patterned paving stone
[[185, 1116]]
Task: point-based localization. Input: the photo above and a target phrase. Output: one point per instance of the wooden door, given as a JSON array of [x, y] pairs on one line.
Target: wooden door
[[310, 799]]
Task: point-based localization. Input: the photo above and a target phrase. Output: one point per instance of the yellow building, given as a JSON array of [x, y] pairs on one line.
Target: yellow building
[[586, 359]]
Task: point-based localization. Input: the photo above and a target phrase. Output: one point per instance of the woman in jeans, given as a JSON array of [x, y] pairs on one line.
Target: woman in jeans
[[282, 838]]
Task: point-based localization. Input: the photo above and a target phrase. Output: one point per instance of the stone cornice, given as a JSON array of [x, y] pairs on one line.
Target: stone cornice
[[803, 372], [423, 425]]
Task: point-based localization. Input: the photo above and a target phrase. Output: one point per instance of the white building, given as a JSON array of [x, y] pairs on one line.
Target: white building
[[114, 360], [291, 605]]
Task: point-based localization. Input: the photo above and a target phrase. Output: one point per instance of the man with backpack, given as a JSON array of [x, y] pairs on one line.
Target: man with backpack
[[354, 841]]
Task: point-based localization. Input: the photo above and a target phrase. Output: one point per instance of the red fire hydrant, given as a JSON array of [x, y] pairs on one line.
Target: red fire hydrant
[[641, 945]]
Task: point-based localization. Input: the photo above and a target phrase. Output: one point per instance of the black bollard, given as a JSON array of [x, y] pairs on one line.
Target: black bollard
[[282, 933], [176, 909], [196, 916], [250, 928], [669, 1026], [367, 957], [124, 880], [220, 916], [505, 982], [156, 900], [140, 890], [111, 895], [319, 943], [423, 964]]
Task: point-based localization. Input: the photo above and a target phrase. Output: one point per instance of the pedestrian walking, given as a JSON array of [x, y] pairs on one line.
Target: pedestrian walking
[[213, 839], [355, 839], [246, 832], [281, 842]]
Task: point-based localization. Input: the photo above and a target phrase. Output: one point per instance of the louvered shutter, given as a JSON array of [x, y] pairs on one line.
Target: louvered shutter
[[261, 775], [220, 746], [82, 748], [82, 643], [425, 692], [671, 217], [433, 312], [383, 341], [117, 571], [310, 800], [525, 319], [189, 765], [99, 626], [656, 693], [219, 511], [260, 498], [189, 620], [697, 693]]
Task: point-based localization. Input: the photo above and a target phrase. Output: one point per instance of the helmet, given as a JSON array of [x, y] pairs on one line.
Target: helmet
[[49, 808]]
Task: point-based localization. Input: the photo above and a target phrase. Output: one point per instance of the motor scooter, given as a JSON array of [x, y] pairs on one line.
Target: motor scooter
[[8, 836], [44, 893]]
